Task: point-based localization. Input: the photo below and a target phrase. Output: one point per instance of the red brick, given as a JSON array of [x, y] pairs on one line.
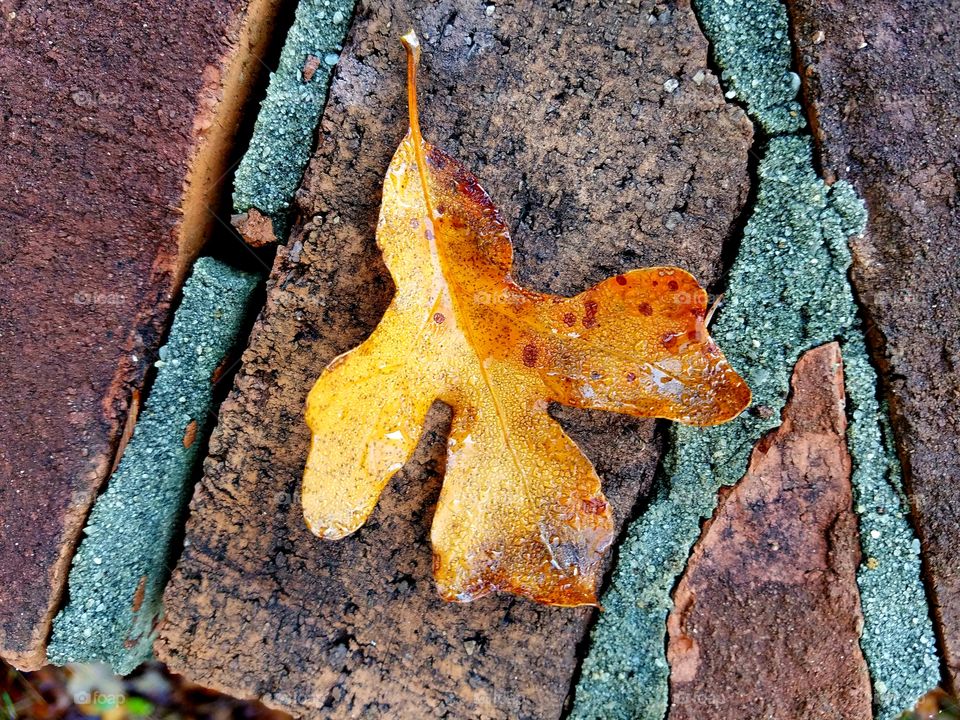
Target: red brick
[[766, 617], [116, 122]]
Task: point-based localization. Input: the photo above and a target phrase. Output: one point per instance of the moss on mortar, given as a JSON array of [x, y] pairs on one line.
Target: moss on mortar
[[272, 167], [788, 293], [118, 574], [751, 44]]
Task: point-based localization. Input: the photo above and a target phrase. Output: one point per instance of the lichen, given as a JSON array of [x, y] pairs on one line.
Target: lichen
[[751, 44], [124, 558], [272, 167]]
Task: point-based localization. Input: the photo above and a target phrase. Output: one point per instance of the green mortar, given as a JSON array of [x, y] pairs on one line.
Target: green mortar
[[751, 44], [282, 141], [134, 523], [788, 292]]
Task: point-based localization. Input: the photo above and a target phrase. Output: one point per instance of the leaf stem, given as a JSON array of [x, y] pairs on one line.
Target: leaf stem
[[412, 44]]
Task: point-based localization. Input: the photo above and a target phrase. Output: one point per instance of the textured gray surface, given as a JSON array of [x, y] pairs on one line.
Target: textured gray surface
[[283, 137]]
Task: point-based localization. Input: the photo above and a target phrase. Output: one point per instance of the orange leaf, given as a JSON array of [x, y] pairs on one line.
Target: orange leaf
[[521, 509]]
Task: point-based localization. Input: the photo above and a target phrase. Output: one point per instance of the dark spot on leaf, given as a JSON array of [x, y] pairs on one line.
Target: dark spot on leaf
[[438, 318], [673, 285], [590, 313], [621, 280], [569, 319], [645, 309], [530, 353], [437, 158]]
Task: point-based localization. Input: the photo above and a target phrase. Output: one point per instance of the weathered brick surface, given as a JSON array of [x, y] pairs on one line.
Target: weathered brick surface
[[881, 80], [115, 127], [767, 614], [598, 166]]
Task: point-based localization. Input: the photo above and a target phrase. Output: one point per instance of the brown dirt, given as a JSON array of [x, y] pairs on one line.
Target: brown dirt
[[598, 169], [884, 90], [254, 227], [116, 123], [767, 616]]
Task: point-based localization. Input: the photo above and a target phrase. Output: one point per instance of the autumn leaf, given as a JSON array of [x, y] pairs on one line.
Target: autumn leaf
[[521, 509]]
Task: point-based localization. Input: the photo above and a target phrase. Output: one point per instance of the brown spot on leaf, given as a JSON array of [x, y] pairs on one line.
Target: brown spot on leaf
[[530, 353], [590, 313], [595, 505], [668, 339]]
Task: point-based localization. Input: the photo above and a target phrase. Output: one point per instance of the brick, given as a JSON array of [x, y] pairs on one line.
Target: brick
[[116, 123], [884, 96], [766, 620]]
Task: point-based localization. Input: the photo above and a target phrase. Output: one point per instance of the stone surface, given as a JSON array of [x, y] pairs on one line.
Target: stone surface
[[766, 616], [131, 538], [564, 116], [116, 123], [881, 81]]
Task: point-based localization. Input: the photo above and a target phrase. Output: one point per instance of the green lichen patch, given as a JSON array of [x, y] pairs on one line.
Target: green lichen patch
[[788, 292], [751, 43], [118, 574], [272, 167]]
